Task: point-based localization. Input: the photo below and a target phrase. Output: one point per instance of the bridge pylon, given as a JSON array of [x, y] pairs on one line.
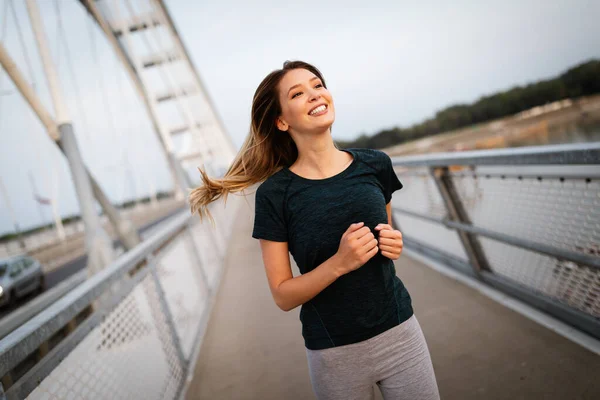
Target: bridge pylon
[[182, 113]]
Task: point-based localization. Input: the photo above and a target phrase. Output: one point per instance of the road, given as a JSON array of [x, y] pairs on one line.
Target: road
[[66, 270]]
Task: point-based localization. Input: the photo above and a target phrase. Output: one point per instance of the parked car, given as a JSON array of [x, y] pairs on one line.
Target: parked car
[[19, 276]]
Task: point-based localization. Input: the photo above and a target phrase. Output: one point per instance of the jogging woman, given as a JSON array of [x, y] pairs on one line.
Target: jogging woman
[[331, 210]]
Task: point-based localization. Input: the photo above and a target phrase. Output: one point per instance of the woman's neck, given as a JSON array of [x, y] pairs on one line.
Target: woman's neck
[[320, 160]]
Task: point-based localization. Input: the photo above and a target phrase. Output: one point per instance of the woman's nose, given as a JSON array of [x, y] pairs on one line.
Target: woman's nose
[[314, 95]]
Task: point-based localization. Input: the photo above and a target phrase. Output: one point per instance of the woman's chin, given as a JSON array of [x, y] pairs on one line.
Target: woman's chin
[[323, 124]]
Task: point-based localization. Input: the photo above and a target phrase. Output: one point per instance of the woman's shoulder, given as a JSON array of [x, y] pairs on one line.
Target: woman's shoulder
[[373, 157], [275, 183]]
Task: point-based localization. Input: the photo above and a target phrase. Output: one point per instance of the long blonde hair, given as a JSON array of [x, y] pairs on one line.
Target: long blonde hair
[[265, 151]]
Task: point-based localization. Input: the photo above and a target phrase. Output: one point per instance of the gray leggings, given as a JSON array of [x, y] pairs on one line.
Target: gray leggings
[[397, 360]]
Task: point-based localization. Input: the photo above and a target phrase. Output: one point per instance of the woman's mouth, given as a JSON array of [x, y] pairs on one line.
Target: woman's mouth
[[320, 110]]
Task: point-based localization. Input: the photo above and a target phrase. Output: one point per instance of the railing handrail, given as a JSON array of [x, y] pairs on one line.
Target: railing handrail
[[27, 338], [557, 252], [558, 154]]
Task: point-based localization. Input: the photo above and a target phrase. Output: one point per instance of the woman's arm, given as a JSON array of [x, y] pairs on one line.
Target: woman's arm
[[289, 292]]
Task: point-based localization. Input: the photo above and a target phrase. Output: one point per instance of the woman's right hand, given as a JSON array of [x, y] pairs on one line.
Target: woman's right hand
[[357, 246]]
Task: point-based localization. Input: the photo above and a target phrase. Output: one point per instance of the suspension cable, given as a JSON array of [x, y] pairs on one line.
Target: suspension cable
[[107, 108], [161, 68], [79, 100], [23, 47], [2, 35], [185, 100], [127, 137]]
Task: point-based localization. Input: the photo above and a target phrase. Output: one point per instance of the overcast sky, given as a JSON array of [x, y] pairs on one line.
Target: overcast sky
[[387, 63]]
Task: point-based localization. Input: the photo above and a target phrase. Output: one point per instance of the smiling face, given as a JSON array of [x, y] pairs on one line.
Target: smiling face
[[306, 105]]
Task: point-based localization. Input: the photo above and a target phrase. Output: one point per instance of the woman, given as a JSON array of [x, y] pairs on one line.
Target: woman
[[331, 210]]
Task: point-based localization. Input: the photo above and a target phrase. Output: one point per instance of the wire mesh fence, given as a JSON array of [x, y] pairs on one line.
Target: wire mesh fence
[[133, 330], [530, 219]]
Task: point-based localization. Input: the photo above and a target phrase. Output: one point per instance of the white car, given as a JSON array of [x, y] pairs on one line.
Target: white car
[[19, 276]]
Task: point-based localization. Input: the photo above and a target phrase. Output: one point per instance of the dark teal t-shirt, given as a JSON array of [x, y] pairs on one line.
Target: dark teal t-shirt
[[312, 215]]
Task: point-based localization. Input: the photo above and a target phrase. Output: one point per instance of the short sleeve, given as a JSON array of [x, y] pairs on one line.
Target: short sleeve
[[269, 222], [388, 177]]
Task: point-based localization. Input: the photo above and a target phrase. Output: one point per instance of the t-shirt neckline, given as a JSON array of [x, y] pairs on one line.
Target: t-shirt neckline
[[339, 175]]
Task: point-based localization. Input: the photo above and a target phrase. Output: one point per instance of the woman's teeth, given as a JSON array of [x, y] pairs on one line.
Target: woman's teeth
[[318, 110]]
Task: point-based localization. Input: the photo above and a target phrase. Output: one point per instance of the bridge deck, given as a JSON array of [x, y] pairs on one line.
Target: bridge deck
[[480, 349]]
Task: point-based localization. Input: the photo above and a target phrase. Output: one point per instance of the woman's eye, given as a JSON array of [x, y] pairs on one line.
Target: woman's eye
[[316, 86]]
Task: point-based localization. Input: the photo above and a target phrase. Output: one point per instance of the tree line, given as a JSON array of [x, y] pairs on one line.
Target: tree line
[[581, 80]]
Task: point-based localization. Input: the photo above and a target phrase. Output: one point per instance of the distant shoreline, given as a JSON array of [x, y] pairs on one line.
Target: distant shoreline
[[563, 121]]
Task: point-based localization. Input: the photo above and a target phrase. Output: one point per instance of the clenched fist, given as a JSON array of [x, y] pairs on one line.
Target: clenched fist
[[357, 246], [390, 241]]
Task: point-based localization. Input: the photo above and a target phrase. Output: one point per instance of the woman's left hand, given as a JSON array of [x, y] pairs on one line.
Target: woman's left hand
[[390, 241]]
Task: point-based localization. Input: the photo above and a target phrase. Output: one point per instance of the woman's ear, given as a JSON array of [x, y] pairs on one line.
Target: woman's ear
[[281, 125]]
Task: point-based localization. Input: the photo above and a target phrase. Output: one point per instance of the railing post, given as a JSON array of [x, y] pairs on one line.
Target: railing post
[[457, 212], [217, 235], [2, 393], [198, 258], [153, 265]]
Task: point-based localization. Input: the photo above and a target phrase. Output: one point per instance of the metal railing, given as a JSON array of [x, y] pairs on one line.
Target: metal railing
[[133, 330], [524, 220]]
